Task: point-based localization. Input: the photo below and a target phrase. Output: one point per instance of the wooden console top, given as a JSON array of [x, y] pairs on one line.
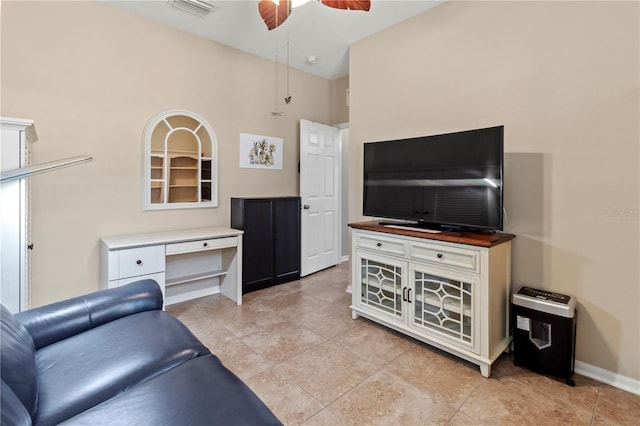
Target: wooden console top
[[470, 238]]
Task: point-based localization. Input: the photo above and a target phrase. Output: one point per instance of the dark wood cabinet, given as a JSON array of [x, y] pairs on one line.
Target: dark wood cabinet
[[271, 240]]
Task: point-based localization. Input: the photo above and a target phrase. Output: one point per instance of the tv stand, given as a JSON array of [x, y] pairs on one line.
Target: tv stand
[[413, 228], [410, 226], [450, 290]]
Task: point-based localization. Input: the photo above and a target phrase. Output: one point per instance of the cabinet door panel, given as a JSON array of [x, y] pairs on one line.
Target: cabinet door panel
[[445, 303], [381, 285], [287, 238], [257, 267]]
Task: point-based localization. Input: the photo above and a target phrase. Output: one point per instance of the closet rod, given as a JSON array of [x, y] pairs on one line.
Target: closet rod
[[25, 172]]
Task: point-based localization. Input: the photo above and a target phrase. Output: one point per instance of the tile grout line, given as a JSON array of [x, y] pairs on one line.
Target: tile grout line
[[595, 407], [464, 402]]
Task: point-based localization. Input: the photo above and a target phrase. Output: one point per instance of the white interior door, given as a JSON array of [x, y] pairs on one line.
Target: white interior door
[[320, 194]]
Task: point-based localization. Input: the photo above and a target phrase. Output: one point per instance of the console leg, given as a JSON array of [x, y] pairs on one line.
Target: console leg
[[354, 315], [485, 369]]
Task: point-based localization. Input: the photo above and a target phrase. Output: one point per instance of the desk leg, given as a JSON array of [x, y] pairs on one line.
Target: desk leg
[[231, 282]]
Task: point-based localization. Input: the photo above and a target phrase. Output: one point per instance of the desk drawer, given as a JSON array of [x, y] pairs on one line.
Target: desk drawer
[[382, 244], [201, 245], [466, 259], [138, 261]]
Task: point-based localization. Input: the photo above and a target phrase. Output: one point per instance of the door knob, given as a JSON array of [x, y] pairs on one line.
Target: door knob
[[306, 206]]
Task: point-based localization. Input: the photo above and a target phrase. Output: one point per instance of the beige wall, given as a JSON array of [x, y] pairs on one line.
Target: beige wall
[[339, 108], [91, 77], [563, 79]]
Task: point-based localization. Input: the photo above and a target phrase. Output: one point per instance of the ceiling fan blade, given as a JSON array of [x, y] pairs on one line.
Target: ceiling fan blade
[[274, 14], [348, 4]]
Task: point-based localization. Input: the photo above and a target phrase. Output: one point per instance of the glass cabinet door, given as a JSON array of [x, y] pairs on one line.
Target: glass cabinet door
[[444, 302], [381, 284]]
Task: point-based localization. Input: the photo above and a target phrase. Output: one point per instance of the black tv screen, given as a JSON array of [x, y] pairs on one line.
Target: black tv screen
[[449, 181]]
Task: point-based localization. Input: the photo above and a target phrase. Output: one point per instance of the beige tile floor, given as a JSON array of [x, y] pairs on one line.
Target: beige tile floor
[[299, 350]]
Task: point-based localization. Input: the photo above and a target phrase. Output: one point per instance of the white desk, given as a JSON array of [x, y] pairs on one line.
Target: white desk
[[186, 263]]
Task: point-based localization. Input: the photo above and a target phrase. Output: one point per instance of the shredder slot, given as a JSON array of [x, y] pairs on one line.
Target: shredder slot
[[540, 334]]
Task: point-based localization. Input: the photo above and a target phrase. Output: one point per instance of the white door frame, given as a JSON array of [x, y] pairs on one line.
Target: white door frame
[[344, 205]]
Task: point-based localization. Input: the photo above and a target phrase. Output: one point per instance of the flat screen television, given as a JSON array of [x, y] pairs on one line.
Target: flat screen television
[[452, 181]]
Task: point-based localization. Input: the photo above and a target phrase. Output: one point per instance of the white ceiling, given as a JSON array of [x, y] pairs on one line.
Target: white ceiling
[[311, 30]]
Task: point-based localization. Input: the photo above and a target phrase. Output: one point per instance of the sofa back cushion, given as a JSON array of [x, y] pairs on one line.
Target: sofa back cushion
[[58, 321], [17, 362]]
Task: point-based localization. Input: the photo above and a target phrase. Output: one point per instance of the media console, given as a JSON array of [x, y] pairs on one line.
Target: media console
[[450, 290], [186, 263]]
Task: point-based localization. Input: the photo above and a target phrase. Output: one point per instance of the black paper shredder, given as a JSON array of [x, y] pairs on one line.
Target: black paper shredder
[[544, 335]]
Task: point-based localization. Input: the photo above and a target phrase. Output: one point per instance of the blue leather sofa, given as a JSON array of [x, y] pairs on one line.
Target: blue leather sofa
[[115, 358]]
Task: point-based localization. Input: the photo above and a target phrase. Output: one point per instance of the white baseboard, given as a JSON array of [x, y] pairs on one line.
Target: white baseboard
[[344, 258], [605, 376]]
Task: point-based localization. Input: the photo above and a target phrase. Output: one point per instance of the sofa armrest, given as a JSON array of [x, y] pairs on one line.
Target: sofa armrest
[[58, 321]]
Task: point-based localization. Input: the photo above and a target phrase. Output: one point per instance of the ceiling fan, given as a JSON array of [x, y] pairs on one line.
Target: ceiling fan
[[275, 12]]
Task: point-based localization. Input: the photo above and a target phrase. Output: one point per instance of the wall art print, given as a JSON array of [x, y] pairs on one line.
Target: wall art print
[[260, 152]]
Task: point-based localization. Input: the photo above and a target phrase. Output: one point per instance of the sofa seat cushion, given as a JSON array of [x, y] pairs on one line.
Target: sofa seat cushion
[[84, 370], [198, 392]]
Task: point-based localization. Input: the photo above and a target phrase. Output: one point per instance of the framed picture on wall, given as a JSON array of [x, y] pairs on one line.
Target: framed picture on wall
[[260, 152]]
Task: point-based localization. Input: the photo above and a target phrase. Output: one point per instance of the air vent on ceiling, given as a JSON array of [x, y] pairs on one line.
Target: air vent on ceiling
[[200, 8]]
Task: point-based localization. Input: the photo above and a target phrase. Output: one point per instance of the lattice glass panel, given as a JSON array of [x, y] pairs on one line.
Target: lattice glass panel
[[381, 286], [444, 305]]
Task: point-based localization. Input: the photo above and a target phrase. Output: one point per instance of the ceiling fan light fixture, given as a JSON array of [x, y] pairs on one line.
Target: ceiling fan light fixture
[[275, 12]]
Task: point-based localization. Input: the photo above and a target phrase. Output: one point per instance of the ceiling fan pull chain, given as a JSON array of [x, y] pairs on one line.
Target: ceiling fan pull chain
[[287, 98]]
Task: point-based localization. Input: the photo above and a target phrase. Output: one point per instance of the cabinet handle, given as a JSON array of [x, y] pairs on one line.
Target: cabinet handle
[[379, 244], [409, 295], [139, 262], [205, 244], [439, 255], [404, 294]]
